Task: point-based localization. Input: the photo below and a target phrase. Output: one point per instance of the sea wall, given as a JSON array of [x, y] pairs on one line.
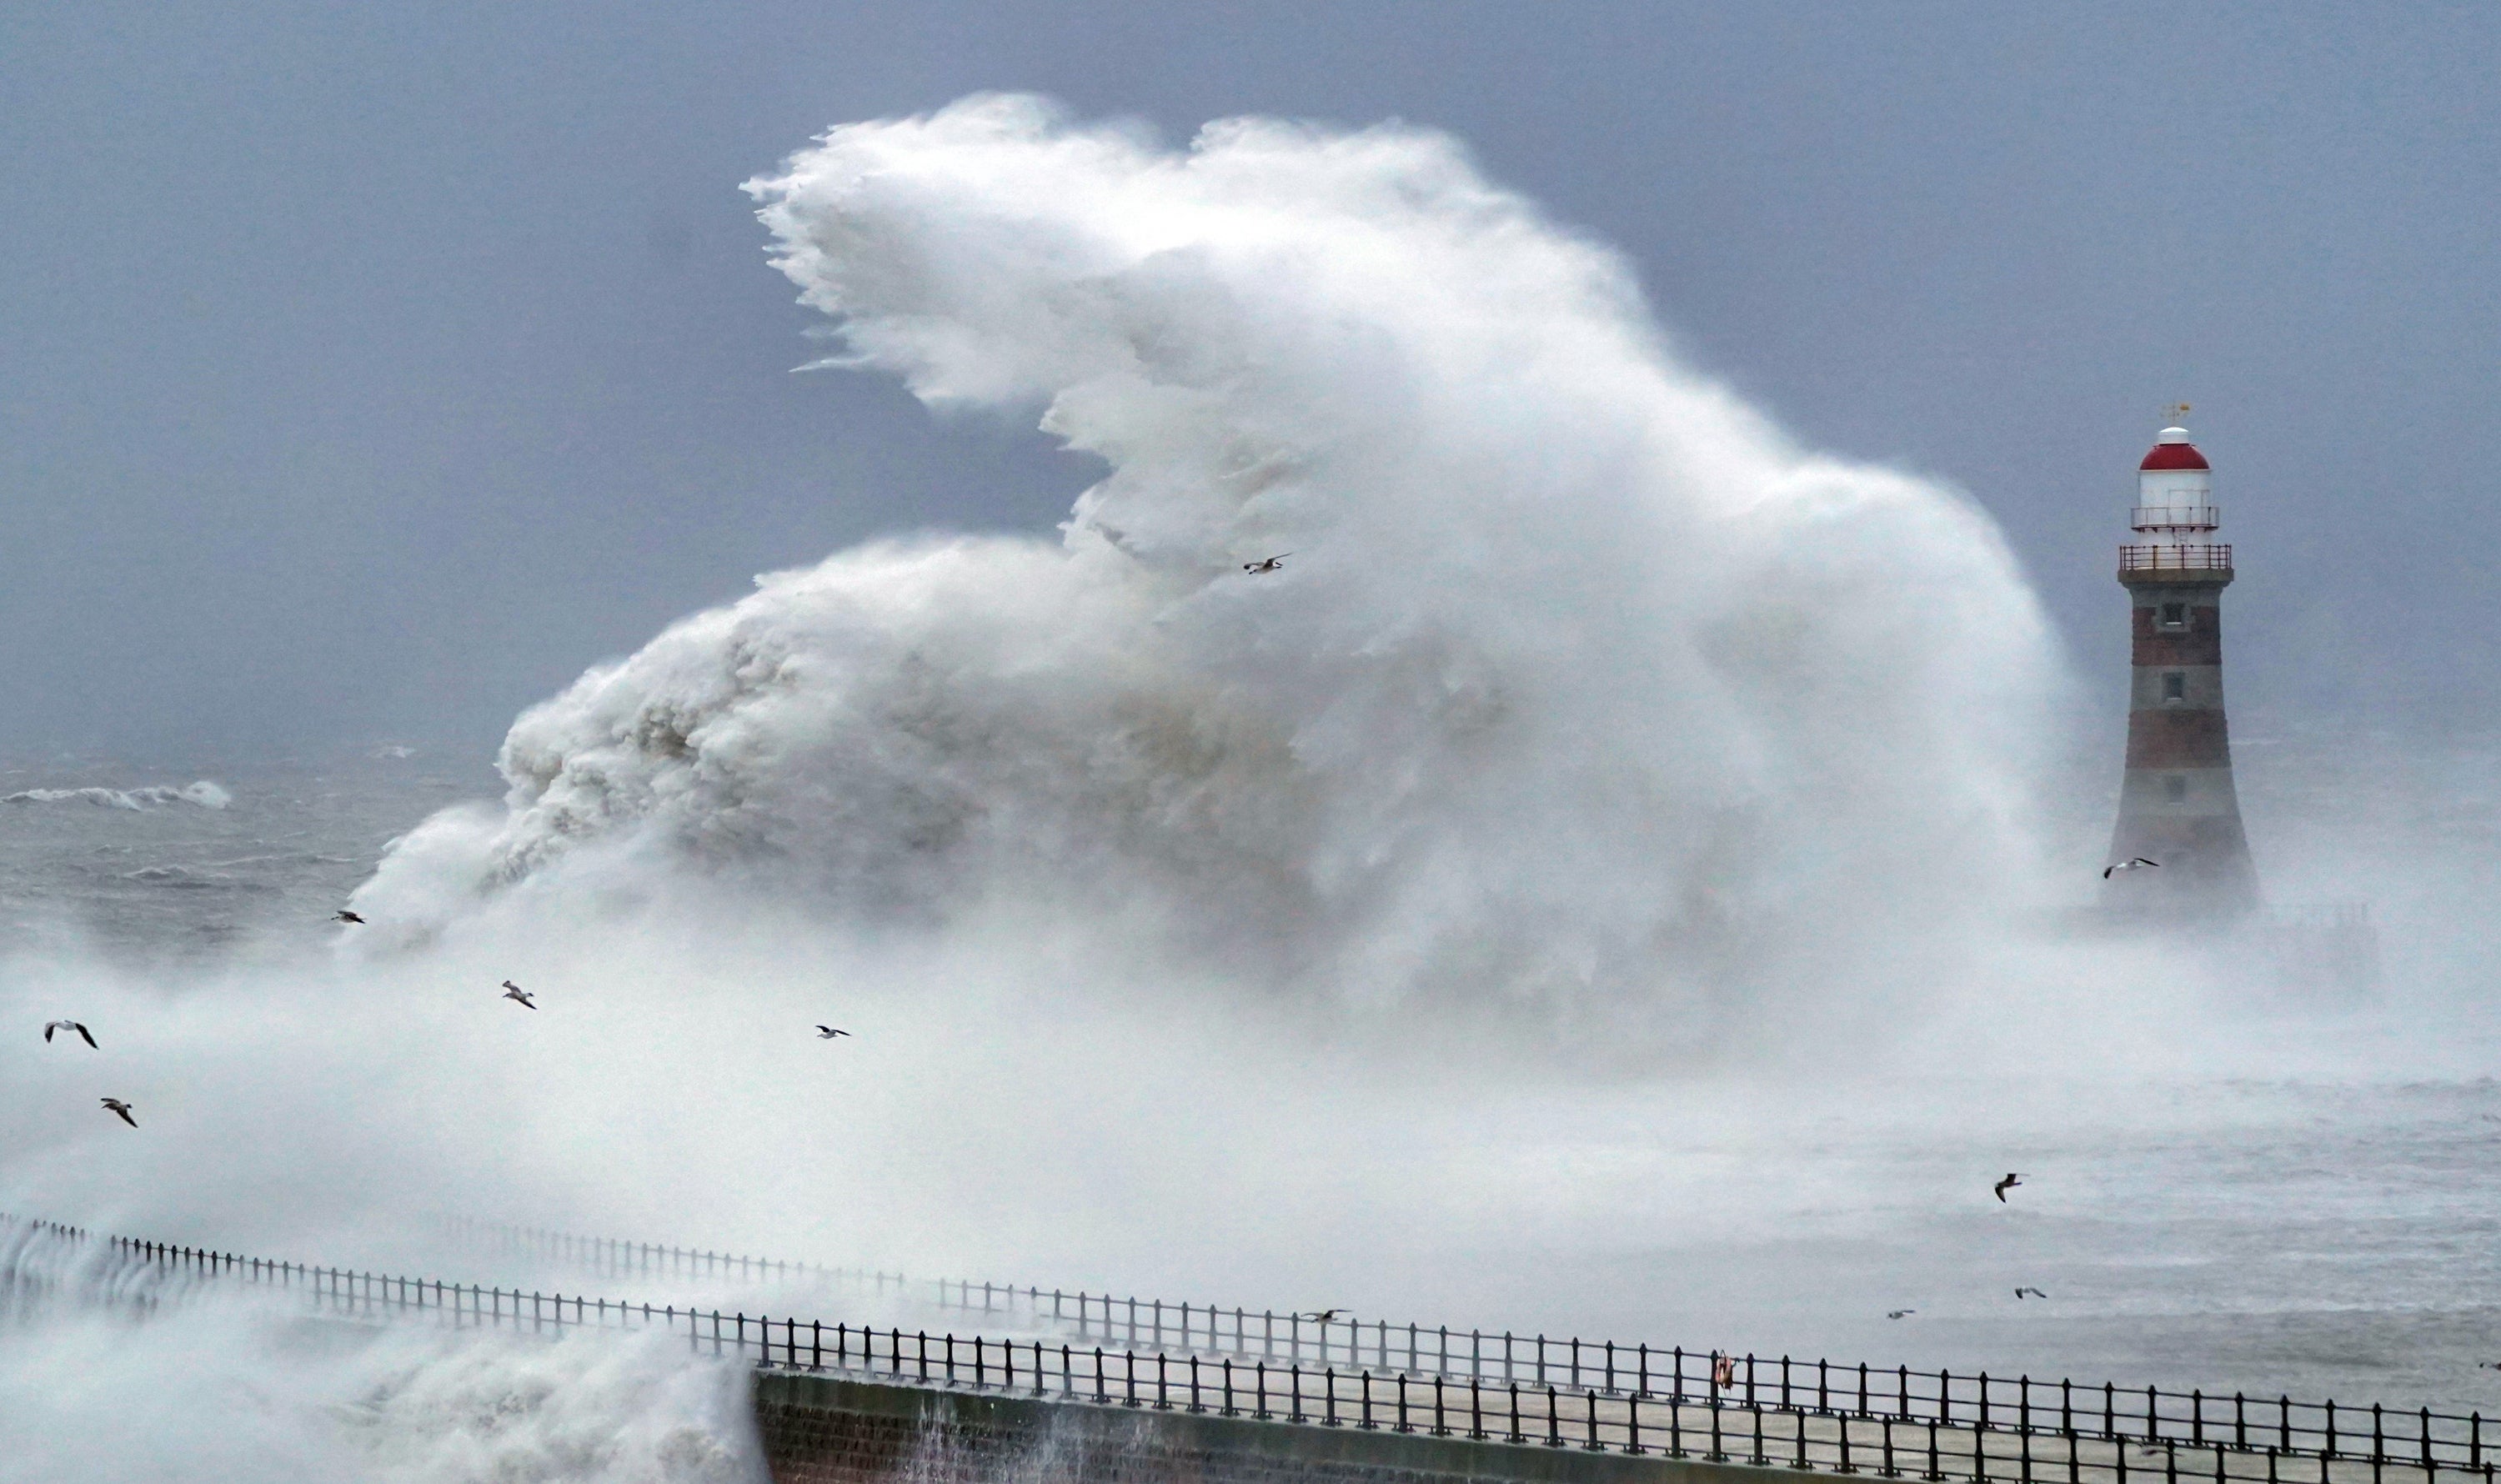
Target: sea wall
[[819, 1430]]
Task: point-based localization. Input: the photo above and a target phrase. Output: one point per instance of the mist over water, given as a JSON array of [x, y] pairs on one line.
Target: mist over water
[[1596, 885]]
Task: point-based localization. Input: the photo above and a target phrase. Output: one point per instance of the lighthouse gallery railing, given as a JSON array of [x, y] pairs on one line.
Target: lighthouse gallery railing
[[2204, 557]]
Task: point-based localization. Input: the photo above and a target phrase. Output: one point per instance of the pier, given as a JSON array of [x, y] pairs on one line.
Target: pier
[[1060, 1385]]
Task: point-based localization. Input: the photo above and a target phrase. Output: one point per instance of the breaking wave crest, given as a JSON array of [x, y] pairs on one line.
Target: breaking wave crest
[[1581, 685], [204, 794]]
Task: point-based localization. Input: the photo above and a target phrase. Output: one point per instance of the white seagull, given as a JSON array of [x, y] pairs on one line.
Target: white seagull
[[65, 1025], [1266, 563], [513, 991], [2137, 865], [828, 1032], [122, 1110]]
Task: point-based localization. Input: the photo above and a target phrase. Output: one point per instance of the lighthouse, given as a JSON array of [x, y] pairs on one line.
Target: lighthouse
[[2177, 806]]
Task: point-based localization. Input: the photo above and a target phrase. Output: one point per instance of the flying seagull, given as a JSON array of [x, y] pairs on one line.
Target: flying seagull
[[2029, 1293], [1323, 1316], [122, 1110], [346, 916], [828, 1032], [513, 991], [2003, 1186], [1898, 1313], [1266, 563], [53, 1025], [2136, 864]]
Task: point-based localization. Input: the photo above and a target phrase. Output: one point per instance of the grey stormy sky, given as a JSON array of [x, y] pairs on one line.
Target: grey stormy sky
[[367, 371]]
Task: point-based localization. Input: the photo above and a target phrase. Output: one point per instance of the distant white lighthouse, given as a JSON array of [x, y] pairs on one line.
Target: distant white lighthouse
[[2178, 806]]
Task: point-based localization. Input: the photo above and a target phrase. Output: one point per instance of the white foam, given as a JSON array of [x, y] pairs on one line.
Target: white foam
[[1583, 684], [204, 794]]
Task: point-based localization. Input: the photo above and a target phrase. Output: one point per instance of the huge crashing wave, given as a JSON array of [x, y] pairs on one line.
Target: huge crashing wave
[[1581, 683]]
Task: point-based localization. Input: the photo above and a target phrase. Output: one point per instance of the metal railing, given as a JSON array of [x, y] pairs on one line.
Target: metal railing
[[2175, 517], [2209, 558], [1602, 1398], [610, 1257]]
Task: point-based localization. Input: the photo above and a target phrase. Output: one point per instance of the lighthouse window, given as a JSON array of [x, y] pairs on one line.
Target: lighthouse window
[[2174, 615], [2174, 687], [2174, 788]]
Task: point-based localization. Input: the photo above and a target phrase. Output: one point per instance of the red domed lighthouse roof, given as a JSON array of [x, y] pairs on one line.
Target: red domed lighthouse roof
[[2172, 449]]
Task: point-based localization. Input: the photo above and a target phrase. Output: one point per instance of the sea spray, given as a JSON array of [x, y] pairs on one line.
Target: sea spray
[[1583, 692], [220, 1385]]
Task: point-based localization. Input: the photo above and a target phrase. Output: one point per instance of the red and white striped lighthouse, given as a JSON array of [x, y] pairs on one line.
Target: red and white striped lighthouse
[[2177, 806]]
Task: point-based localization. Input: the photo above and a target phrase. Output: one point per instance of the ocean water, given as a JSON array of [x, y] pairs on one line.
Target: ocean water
[[104, 853]]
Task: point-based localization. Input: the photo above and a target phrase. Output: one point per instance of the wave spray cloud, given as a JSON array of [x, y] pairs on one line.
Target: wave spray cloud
[[1582, 690]]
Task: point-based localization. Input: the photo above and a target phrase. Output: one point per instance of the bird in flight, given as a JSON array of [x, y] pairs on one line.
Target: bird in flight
[[345, 916], [2003, 1186], [122, 1110], [65, 1025], [1321, 1316], [2136, 864], [513, 991], [1898, 1313], [2029, 1293], [1266, 563], [828, 1032]]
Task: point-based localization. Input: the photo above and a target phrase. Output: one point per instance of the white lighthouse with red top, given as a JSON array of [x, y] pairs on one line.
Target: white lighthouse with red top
[[2178, 807]]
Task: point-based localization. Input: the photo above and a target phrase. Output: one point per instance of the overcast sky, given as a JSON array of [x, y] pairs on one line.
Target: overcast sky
[[365, 372]]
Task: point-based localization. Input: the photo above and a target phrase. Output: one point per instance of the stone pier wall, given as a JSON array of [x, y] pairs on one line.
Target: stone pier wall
[[819, 1430]]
